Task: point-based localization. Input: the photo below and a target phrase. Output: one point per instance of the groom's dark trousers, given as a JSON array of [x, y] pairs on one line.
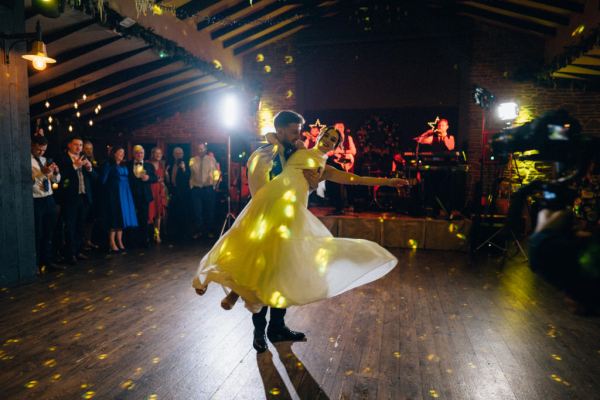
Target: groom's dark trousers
[[276, 322]]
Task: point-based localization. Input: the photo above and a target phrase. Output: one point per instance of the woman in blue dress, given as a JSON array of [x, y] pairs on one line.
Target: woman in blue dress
[[120, 209]]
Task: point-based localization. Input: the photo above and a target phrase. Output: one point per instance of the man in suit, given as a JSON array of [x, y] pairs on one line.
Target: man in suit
[[141, 176], [76, 197], [263, 165]]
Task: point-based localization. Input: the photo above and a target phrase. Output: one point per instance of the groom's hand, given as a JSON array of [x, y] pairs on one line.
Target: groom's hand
[[299, 145], [312, 177]]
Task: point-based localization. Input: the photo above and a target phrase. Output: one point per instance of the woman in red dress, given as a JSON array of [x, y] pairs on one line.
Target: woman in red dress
[[158, 206]]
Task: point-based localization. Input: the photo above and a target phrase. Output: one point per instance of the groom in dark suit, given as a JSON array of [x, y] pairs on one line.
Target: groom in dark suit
[[264, 164]]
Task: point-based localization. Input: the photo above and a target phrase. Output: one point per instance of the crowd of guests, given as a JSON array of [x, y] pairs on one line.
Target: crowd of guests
[[81, 204]]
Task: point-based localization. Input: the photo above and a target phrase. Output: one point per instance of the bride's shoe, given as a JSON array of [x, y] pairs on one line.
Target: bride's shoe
[[201, 291], [229, 301]]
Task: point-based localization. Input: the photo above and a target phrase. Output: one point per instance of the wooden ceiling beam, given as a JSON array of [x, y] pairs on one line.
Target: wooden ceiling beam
[[272, 37], [521, 11], [280, 19], [87, 108], [506, 21], [193, 7], [84, 70], [254, 18], [223, 15], [143, 109], [102, 84], [49, 37]]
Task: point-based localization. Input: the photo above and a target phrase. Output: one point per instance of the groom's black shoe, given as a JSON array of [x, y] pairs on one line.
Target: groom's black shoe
[[284, 334], [260, 342]]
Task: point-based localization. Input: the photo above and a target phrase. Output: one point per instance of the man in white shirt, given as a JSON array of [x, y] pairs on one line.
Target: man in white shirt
[[44, 173], [204, 176]]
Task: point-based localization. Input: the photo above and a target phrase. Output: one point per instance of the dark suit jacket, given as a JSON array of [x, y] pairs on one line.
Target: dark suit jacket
[[69, 184], [140, 190]]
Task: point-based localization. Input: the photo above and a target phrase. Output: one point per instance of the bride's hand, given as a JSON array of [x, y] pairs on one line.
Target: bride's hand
[[397, 182], [299, 145], [312, 177]]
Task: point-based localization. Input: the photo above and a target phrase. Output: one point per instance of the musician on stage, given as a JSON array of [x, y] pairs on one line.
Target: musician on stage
[[342, 159], [438, 138]]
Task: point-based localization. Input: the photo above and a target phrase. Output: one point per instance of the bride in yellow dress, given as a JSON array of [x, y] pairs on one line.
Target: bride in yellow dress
[[277, 253]]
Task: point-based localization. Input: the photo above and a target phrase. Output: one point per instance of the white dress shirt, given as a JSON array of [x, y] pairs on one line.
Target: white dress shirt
[[38, 178], [202, 171]]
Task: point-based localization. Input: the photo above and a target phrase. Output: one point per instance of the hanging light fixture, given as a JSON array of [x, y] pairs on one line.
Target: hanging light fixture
[[70, 128], [78, 114], [75, 105], [91, 123], [47, 104], [37, 55], [50, 119], [84, 97]]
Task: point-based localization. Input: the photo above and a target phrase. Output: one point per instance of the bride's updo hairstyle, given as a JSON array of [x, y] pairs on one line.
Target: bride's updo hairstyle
[[331, 128]]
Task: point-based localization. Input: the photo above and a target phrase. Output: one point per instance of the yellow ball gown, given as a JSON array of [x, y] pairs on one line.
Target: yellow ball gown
[[277, 253]]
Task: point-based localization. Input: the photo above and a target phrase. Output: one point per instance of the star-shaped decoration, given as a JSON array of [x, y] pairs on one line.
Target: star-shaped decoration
[[317, 124], [432, 124]]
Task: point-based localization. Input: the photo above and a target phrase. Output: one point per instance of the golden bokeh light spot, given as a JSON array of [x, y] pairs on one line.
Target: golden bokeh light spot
[[289, 94], [108, 299], [85, 385], [77, 335], [64, 322], [8, 342], [289, 211], [34, 310], [140, 333], [290, 195], [578, 31], [31, 384], [449, 371], [433, 358], [150, 309], [89, 307], [128, 384], [433, 393], [452, 228], [155, 360], [153, 397], [288, 59], [100, 327], [557, 357], [284, 232], [275, 391], [65, 300], [299, 365], [322, 259], [348, 372], [50, 363], [277, 300], [102, 356], [260, 57], [138, 371], [88, 395], [397, 354], [412, 243], [217, 65], [56, 377], [267, 69], [461, 236], [156, 10]]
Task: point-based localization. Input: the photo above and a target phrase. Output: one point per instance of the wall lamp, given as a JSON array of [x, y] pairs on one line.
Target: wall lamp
[[37, 55]]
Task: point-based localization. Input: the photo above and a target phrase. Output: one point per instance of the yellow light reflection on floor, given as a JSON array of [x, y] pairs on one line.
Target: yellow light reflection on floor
[[31, 384], [88, 395]]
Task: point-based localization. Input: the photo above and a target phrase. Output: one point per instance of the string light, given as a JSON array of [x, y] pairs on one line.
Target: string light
[[96, 110], [47, 104], [50, 119], [267, 69], [50, 128], [99, 107], [84, 97], [78, 114], [91, 123], [75, 105], [70, 128]]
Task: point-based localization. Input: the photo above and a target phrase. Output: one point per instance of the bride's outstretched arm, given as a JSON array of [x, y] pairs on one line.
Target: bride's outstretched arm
[[346, 178]]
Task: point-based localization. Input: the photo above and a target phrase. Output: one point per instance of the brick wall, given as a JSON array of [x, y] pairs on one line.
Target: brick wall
[[278, 86], [495, 55]]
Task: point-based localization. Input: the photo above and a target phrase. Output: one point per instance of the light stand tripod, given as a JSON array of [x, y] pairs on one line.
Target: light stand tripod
[[230, 217]]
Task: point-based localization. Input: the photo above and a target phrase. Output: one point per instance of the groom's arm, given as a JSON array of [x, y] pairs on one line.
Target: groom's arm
[[259, 166]]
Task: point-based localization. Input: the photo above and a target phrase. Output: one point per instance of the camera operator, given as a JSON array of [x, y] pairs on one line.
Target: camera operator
[[567, 257]]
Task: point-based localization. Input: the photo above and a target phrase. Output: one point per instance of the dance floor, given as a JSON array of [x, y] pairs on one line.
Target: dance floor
[[131, 327]]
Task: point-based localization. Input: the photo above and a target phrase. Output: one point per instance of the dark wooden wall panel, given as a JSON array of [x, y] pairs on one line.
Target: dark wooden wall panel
[[17, 254]]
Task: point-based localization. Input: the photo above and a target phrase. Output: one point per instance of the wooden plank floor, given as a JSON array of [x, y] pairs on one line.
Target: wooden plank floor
[[131, 327]]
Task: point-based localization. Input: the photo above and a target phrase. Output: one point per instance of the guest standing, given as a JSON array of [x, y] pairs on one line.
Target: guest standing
[[76, 197], [158, 206], [204, 175], [119, 207], [141, 176], [44, 173], [178, 180]]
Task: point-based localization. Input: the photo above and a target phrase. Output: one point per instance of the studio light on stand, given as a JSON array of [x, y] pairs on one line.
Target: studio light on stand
[[230, 110], [37, 55], [508, 112]]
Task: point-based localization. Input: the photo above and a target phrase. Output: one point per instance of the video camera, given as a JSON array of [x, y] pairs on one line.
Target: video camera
[[554, 137]]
